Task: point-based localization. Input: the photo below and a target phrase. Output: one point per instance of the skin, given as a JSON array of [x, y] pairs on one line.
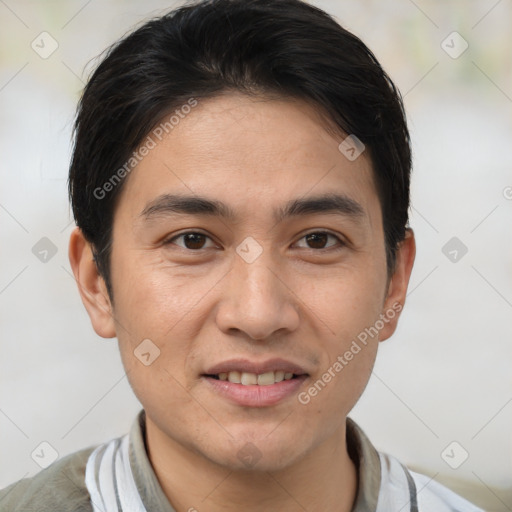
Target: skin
[[299, 300]]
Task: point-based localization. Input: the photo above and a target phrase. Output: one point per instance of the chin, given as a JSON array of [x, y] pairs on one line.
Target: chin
[[257, 455]]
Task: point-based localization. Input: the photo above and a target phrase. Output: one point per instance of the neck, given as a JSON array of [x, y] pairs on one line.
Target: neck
[[324, 479]]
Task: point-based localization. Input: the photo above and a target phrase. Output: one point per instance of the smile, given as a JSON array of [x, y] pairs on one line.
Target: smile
[[253, 379], [250, 383]]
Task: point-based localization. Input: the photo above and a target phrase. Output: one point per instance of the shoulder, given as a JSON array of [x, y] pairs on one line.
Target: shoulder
[[436, 497], [60, 487], [400, 485]]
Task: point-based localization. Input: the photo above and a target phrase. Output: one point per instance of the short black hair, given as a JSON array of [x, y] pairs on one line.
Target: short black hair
[[282, 48]]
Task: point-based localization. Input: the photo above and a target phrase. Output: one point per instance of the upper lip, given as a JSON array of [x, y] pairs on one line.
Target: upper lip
[[245, 365]]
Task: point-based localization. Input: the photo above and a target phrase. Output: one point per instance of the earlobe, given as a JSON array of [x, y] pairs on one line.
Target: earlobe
[[91, 285], [399, 282]]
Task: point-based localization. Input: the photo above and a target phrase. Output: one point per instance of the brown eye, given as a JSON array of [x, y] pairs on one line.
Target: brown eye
[[194, 240], [191, 240], [319, 240]]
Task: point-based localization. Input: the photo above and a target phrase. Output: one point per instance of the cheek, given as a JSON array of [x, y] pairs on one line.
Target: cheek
[[167, 307], [347, 302], [344, 374], [166, 397], [349, 306], [154, 298]]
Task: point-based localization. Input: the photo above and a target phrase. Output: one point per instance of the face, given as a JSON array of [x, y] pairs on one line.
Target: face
[[273, 266]]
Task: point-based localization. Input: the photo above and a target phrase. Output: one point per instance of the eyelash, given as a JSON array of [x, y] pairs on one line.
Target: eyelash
[[341, 243]]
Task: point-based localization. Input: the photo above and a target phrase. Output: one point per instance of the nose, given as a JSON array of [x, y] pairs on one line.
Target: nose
[[257, 300]]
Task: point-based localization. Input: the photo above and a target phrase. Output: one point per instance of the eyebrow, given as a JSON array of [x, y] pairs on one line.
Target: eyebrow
[[170, 204]]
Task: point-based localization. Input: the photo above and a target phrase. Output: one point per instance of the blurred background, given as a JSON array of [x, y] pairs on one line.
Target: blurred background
[[440, 398]]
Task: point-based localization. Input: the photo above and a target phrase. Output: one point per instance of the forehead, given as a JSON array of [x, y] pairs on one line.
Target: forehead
[[253, 153]]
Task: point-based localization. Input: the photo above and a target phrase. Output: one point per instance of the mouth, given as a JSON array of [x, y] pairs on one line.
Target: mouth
[[253, 384], [253, 379]]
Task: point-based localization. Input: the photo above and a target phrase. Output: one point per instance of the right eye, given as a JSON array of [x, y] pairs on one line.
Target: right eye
[[192, 240]]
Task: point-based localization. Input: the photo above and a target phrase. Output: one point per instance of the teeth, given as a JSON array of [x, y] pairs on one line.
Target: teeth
[[234, 377], [265, 379], [251, 379], [279, 375]]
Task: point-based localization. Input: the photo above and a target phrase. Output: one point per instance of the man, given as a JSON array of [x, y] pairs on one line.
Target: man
[[240, 183]]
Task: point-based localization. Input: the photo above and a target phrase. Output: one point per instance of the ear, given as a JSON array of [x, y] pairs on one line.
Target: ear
[[91, 285], [397, 288]]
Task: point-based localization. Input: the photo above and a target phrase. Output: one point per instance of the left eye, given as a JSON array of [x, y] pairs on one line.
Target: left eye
[[192, 240], [318, 239]]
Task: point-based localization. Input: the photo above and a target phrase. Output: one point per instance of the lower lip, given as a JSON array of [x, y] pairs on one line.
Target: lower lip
[[254, 395]]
